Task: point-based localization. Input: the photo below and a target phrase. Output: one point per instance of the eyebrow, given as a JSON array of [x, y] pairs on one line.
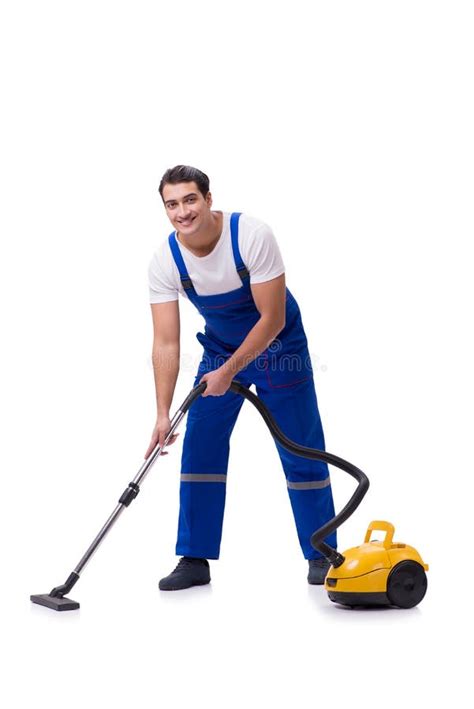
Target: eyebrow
[[191, 194]]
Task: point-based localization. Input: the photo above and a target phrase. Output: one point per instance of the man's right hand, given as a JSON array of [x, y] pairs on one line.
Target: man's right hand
[[162, 426]]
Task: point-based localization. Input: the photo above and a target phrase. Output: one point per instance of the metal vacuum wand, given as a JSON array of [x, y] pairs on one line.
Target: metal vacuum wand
[[56, 598]]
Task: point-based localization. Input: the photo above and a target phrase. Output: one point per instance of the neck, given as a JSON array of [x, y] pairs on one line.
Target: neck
[[203, 242]]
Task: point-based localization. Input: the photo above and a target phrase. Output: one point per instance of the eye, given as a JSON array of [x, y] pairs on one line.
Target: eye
[[191, 199]]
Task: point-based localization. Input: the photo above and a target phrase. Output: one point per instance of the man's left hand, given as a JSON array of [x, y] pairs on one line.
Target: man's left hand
[[218, 382]]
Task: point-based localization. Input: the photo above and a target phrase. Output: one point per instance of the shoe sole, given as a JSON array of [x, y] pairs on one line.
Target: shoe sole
[[183, 588]]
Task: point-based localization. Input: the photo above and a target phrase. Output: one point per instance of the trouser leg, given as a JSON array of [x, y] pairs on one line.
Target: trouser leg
[[204, 463], [295, 410]]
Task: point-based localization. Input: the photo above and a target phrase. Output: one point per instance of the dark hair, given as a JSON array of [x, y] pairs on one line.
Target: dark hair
[[185, 173]]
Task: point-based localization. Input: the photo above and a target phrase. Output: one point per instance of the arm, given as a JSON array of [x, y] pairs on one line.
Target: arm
[[270, 299], [165, 353], [165, 360]]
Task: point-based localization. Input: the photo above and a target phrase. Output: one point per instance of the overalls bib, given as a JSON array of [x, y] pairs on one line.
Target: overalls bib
[[283, 378]]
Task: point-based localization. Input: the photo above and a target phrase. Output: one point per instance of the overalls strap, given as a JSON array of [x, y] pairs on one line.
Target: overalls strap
[[186, 281], [234, 233]]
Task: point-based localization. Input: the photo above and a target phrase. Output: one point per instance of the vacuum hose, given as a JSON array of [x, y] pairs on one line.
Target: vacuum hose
[[317, 538]]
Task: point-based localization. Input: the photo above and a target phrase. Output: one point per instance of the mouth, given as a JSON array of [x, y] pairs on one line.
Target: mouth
[[186, 222]]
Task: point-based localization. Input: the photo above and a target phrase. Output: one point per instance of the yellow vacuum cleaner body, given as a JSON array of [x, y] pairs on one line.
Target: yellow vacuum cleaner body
[[378, 573]]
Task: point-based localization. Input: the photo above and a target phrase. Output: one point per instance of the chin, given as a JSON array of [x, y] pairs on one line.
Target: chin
[[190, 231]]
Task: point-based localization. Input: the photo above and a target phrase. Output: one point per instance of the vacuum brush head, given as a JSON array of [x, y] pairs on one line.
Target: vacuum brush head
[[55, 602]]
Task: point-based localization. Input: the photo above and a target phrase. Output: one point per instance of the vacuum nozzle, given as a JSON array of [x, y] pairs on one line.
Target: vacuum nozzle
[[57, 603], [56, 599]]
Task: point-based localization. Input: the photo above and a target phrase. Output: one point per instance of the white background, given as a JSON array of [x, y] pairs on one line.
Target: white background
[[347, 126]]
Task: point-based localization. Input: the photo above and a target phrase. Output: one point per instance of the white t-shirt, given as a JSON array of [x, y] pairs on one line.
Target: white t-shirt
[[216, 273]]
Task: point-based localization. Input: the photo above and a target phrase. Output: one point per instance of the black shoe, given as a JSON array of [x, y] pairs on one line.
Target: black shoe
[[318, 569], [189, 572]]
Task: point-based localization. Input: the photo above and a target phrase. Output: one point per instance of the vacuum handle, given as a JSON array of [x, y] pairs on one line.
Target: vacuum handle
[[380, 526], [192, 396]]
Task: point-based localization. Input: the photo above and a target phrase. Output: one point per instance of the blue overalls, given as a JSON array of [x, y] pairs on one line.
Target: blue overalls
[[283, 378]]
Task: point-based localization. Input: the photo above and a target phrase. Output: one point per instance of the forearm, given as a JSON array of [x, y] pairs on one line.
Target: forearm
[[257, 340], [165, 360]]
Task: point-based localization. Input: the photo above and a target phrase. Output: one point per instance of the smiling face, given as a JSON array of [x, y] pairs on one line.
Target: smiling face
[[187, 209]]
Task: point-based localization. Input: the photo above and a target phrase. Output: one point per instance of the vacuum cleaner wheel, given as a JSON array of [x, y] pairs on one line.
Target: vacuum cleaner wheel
[[406, 584]]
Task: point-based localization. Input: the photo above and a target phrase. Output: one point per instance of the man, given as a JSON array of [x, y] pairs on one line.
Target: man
[[229, 266]]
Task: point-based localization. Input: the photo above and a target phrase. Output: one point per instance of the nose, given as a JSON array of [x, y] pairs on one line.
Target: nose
[[183, 210]]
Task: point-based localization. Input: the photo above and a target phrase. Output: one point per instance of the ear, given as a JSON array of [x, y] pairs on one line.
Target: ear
[[209, 199]]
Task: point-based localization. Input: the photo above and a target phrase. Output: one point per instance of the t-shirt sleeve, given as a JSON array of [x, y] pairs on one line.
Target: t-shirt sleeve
[[160, 285], [263, 258]]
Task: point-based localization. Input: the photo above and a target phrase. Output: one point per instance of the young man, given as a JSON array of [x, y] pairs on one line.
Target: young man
[[229, 266]]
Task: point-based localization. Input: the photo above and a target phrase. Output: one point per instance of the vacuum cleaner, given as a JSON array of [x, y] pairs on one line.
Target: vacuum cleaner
[[377, 573]]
